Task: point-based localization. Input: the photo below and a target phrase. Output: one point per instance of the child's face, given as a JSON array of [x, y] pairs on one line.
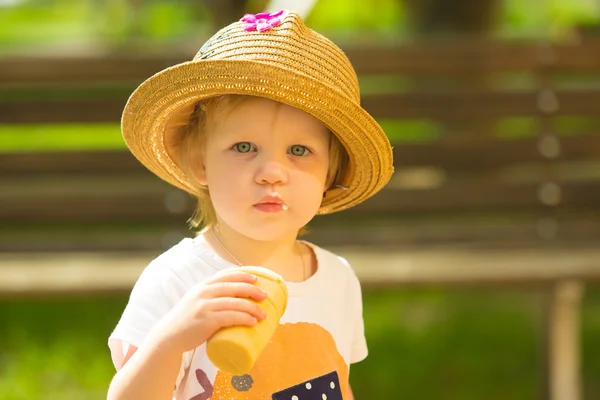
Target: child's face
[[264, 148]]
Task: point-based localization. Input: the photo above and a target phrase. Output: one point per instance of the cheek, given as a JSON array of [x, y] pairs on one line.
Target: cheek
[[227, 186], [308, 193], [221, 171]]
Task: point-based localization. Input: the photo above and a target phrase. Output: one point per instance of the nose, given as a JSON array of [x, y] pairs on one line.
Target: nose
[[271, 171]]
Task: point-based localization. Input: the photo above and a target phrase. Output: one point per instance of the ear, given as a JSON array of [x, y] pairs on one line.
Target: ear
[[201, 176], [198, 167]]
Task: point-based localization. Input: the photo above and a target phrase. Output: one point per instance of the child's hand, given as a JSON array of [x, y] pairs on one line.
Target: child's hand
[[221, 301]]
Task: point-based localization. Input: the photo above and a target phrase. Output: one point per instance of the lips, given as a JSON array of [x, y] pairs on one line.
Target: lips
[[271, 199], [271, 204]]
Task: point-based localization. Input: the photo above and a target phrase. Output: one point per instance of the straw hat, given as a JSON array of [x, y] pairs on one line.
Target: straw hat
[[268, 55]]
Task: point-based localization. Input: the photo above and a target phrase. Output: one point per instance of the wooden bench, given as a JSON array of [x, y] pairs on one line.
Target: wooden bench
[[463, 187], [467, 205]]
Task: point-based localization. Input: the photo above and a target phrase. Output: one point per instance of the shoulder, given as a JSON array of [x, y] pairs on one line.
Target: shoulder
[[335, 265], [184, 264]]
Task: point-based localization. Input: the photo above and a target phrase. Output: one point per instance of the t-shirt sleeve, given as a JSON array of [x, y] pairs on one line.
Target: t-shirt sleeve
[[359, 341], [155, 293], [359, 350]]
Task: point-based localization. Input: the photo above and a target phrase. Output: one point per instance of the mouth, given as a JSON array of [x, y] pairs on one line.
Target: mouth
[[272, 204]]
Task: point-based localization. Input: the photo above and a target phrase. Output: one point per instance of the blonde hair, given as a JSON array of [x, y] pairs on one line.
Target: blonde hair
[[192, 140]]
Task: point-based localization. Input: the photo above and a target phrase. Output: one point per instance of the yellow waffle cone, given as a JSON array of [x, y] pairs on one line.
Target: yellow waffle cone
[[235, 349]]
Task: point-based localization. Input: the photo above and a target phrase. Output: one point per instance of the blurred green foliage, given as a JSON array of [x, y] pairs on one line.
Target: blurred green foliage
[[43, 22], [60, 137], [553, 17], [107, 136], [77, 137], [424, 344], [86, 23], [382, 16]]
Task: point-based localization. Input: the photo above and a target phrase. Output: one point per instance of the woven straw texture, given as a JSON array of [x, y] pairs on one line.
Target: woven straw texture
[[288, 63]]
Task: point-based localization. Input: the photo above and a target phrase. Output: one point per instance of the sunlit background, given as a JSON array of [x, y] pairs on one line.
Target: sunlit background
[[479, 261]]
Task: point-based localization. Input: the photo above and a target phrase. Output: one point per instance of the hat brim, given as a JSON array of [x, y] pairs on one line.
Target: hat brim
[[151, 109]]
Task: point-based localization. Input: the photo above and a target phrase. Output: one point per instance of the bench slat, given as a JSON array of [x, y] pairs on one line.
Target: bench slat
[[454, 58], [452, 153], [81, 272], [89, 162], [443, 106], [152, 201], [466, 230]]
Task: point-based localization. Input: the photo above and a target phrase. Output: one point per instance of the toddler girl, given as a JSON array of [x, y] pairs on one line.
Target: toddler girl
[[264, 127]]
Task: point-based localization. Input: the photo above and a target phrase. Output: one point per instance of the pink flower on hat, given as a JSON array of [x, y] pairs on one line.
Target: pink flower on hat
[[261, 22]]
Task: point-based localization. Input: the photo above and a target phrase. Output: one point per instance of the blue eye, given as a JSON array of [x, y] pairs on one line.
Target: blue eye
[[243, 147], [299, 150]]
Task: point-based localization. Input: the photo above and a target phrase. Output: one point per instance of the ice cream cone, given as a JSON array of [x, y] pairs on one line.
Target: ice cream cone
[[235, 349]]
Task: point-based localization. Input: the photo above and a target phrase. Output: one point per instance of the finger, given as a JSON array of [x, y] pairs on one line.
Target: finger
[[233, 318], [234, 289], [237, 304]]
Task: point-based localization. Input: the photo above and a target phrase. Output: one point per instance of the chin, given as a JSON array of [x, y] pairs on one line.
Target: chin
[[267, 230]]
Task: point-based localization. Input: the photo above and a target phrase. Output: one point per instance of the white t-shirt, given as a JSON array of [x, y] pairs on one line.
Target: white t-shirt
[[320, 334]]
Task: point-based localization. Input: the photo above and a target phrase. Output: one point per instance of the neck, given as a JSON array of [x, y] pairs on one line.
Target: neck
[[283, 255]]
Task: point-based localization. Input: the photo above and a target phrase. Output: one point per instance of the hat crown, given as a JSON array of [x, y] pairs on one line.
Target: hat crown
[[288, 45]]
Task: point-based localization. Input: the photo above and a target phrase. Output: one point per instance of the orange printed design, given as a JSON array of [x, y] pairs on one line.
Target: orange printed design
[[301, 358]]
